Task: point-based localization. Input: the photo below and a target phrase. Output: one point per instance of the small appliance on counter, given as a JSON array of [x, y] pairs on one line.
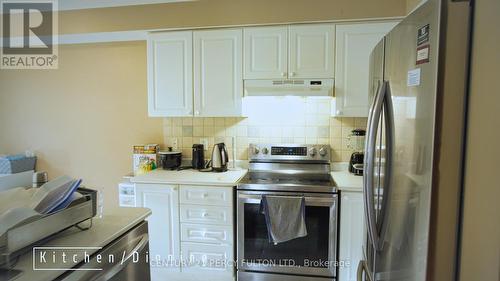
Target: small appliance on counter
[[220, 158], [356, 141], [169, 160], [198, 161]]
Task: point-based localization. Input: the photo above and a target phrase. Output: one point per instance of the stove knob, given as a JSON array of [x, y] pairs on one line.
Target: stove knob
[[255, 150], [322, 152], [265, 150], [312, 151]]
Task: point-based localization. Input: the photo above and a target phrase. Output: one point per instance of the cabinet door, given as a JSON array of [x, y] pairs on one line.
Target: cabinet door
[[265, 52], [164, 226], [351, 234], [311, 51], [354, 44], [170, 74], [218, 78]]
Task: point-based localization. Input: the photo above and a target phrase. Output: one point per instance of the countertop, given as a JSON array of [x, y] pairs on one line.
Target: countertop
[[114, 223], [229, 178], [347, 181]]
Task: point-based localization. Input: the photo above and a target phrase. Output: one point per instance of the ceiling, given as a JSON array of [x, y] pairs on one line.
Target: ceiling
[[91, 4]]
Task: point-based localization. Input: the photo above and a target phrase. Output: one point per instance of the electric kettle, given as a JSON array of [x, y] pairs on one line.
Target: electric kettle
[[220, 158]]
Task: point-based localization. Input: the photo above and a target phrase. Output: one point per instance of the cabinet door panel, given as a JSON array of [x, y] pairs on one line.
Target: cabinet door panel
[[355, 42], [218, 78], [351, 234], [311, 51], [170, 74], [164, 224], [265, 52]]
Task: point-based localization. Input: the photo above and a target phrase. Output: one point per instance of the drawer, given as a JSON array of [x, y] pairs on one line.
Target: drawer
[[207, 258], [216, 234], [207, 214], [206, 195]]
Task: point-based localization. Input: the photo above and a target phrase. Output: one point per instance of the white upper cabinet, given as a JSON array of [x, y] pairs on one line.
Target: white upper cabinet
[[311, 51], [170, 74], [218, 77], [266, 52], [354, 44]]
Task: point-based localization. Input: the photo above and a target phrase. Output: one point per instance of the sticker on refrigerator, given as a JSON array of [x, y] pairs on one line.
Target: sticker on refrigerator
[[413, 78], [423, 35], [423, 54]]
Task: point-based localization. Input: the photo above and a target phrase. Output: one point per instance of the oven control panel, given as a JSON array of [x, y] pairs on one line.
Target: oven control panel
[[283, 150], [269, 152]]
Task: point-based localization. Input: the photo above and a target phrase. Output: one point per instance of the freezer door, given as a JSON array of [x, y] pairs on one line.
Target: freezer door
[[411, 82]]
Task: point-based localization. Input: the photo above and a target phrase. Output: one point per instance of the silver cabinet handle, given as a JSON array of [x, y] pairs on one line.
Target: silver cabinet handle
[[292, 74], [283, 74], [369, 162]]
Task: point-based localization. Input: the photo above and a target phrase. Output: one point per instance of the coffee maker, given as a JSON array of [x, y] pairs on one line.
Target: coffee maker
[[198, 161], [356, 142]]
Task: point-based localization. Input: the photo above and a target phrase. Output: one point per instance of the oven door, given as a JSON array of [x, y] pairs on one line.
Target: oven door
[[314, 254]]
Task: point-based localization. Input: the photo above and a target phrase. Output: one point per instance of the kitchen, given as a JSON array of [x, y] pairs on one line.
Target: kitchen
[[239, 76]]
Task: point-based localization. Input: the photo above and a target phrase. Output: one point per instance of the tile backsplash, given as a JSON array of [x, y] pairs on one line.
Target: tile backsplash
[[269, 120]]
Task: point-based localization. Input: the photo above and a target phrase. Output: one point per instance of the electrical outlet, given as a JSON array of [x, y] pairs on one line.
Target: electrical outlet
[[175, 144], [204, 141]]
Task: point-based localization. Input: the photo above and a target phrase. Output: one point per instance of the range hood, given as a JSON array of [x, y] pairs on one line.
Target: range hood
[[289, 87]]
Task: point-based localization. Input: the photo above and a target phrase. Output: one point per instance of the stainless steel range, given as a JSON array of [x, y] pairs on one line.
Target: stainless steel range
[[288, 170]]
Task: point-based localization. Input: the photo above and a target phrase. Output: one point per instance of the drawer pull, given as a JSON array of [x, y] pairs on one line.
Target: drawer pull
[[205, 215], [204, 195], [213, 235]]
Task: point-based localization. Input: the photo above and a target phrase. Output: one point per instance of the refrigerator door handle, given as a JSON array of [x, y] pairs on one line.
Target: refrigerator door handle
[[389, 159], [369, 161], [362, 268]]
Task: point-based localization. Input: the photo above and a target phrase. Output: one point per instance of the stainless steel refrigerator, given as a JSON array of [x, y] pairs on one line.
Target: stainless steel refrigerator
[[412, 70]]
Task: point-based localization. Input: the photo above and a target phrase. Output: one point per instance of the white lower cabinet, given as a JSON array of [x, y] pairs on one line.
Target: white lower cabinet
[[207, 232], [191, 230], [164, 242], [351, 234]]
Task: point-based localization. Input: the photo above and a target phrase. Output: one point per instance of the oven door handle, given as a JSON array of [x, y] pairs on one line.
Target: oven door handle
[[310, 200]]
